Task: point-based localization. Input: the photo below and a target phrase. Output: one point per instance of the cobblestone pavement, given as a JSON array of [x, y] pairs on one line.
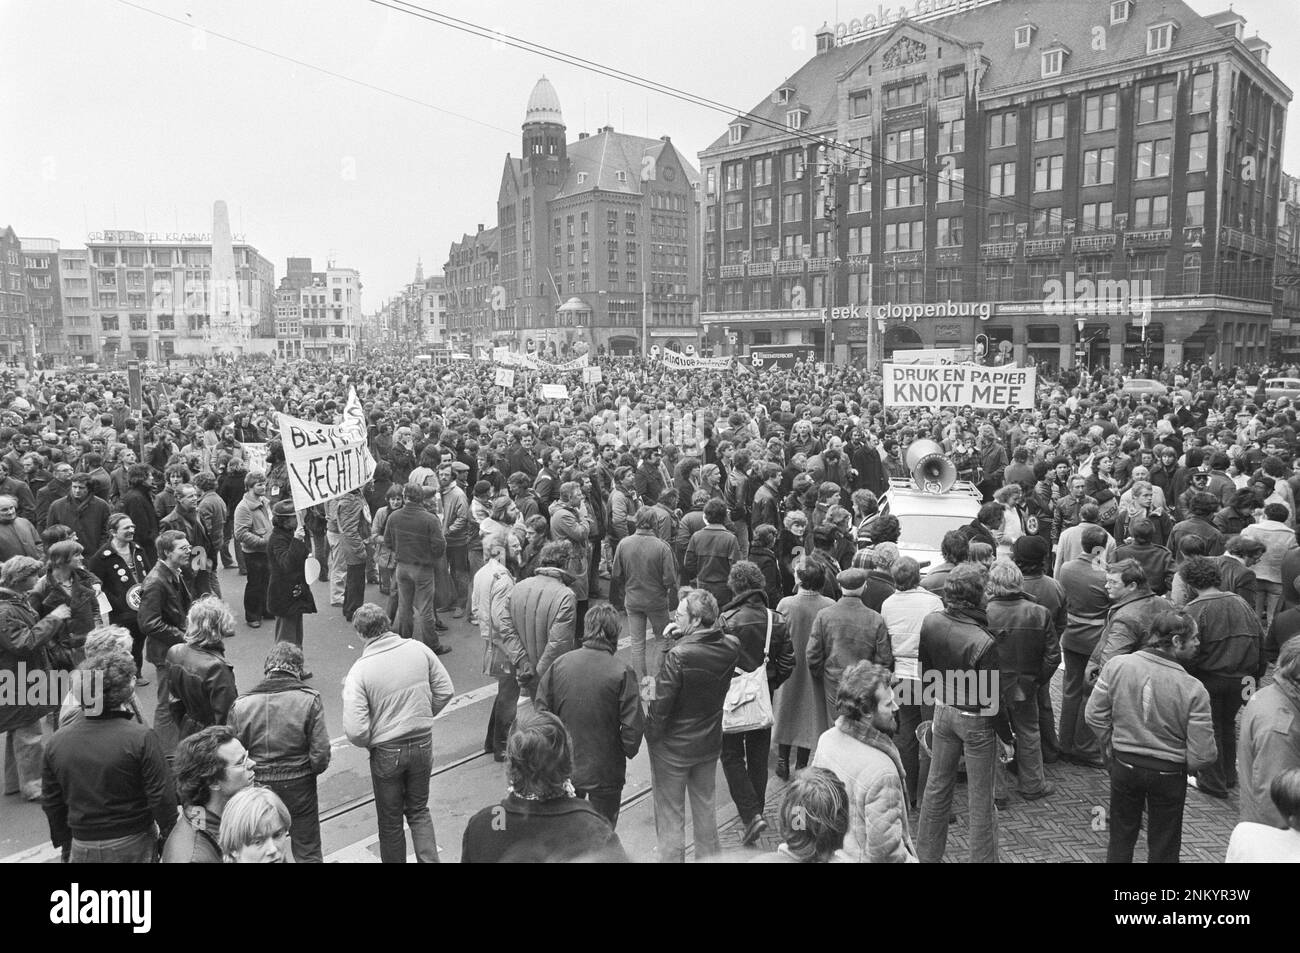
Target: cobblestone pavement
[[1067, 827]]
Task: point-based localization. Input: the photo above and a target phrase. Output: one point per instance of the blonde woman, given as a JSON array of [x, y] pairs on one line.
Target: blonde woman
[[201, 681], [255, 829]]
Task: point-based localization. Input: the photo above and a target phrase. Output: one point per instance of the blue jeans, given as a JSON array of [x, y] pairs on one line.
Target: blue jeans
[[636, 623], [671, 784], [415, 607], [1163, 795], [956, 733], [400, 773], [299, 796], [139, 848]]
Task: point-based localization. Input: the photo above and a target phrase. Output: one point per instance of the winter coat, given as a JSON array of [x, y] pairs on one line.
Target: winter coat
[[879, 831], [287, 592], [542, 617], [1127, 625], [164, 606], [1232, 640], [353, 528], [393, 692], [1156, 560], [957, 640], [87, 518], [138, 504], [81, 598], [1086, 603], [799, 707], [552, 831], [281, 723], [644, 564], [1029, 648], [23, 641], [202, 686], [1146, 704], [597, 697], [567, 524], [1278, 539], [1269, 743], [684, 726], [252, 523], [709, 557], [745, 618], [492, 588], [118, 578], [842, 634]]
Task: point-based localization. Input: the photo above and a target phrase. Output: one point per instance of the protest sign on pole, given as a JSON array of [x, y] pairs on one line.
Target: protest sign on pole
[[326, 460], [959, 385], [505, 377], [591, 375], [555, 392], [254, 456]]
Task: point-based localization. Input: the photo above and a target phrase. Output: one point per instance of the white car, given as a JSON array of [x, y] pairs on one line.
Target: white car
[[924, 518], [1278, 387]]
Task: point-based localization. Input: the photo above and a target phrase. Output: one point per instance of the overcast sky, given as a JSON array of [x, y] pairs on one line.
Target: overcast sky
[[111, 117]]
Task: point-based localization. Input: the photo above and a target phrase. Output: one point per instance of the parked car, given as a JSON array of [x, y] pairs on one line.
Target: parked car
[[1141, 387], [1278, 387]]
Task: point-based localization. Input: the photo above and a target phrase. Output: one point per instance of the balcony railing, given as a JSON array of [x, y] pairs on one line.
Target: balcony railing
[[998, 249], [1044, 247], [818, 264], [1085, 243], [760, 269], [1149, 237], [733, 271], [793, 266]]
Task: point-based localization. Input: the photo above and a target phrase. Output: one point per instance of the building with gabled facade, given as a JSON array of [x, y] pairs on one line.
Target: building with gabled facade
[[597, 240], [1008, 168], [13, 298], [471, 300]]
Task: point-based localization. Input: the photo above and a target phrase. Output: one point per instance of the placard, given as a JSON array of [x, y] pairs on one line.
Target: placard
[[960, 385], [591, 375], [326, 460], [505, 377], [254, 456], [555, 392]]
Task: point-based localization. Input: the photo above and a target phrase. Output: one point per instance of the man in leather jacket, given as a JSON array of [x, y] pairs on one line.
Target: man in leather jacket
[[684, 727]]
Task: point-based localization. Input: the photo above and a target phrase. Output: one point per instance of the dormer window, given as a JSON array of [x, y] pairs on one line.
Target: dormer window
[[795, 117], [1160, 36], [1119, 11], [1054, 60], [582, 178], [783, 95], [620, 175], [1025, 35], [736, 131]]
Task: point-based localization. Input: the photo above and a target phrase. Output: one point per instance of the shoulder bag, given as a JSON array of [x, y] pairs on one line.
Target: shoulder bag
[[748, 706]]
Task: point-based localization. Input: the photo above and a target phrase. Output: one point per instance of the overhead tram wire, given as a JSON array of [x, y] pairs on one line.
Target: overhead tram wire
[[1004, 203], [189, 25]]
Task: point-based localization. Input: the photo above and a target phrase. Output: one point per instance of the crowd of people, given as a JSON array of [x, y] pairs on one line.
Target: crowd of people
[[722, 525]]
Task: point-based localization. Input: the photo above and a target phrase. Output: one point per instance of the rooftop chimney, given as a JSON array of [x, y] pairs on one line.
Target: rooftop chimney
[[665, 139], [480, 227], [581, 136]]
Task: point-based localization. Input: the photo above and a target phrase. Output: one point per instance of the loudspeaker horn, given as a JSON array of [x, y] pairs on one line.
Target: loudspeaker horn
[[931, 470]]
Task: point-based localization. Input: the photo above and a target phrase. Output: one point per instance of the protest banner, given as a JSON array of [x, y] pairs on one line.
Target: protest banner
[[959, 385], [505, 377], [555, 392], [326, 460], [591, 375], [678, 361], [254, 456]]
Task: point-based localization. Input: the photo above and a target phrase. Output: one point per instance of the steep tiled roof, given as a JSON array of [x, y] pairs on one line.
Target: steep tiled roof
[[607, 153], [1071, 22]]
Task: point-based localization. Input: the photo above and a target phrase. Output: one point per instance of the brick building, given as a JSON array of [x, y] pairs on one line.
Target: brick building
[[596, 238], [1054, 169], [13, 297]]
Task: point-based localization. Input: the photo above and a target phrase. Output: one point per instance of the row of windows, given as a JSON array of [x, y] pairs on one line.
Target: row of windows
[[997, 281]]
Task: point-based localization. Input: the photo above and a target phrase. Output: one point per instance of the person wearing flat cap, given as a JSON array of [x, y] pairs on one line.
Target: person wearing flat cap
[[288, 596], [844, 633]]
